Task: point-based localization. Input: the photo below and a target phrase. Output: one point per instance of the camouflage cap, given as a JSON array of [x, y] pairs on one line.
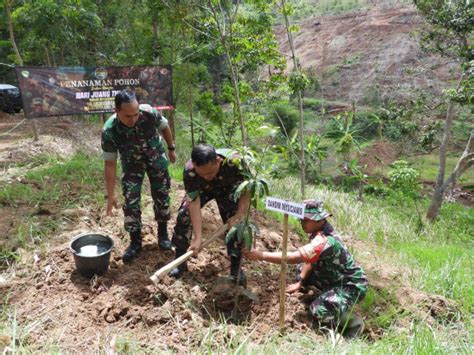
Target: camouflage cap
[[314, 210]]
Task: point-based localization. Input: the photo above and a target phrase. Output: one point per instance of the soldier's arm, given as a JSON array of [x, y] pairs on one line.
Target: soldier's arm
[[242, 208], [293, 257], [110, 172], [305, 271], [196, 221], [168, 136], [109, 154]]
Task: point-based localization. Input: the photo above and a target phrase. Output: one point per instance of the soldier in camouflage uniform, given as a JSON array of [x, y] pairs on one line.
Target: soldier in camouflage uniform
[[209, 175], [330, 267], [134, 132]]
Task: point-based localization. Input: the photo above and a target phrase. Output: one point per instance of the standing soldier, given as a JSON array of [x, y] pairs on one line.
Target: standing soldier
[[209, 175], [328, 265], [134, 131]]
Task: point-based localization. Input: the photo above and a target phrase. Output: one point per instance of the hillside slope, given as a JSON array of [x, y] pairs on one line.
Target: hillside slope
[[367, 56]]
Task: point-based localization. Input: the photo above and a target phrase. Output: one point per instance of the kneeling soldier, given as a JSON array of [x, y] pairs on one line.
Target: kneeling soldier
[[330, 267]]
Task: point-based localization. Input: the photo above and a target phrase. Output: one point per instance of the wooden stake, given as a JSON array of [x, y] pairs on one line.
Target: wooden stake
[[35, 130], [284, 249]]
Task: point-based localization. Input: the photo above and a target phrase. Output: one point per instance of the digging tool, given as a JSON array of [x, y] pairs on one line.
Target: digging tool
[[175, 263]]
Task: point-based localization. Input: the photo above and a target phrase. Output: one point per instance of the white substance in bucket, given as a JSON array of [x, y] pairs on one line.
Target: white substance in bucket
[[89, 250]]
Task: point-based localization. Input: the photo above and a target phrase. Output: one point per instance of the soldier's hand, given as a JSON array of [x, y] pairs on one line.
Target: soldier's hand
[[172, 156], [253, 254], [111, 204], [196, 245], [293, 287]]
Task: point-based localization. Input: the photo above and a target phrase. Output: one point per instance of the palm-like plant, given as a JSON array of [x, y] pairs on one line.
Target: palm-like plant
[[345, 135]]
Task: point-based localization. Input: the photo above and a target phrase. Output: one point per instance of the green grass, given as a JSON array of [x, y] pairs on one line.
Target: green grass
[[427, 165]]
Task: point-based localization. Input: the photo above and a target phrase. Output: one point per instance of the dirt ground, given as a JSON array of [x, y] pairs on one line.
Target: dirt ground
[[54, 305]]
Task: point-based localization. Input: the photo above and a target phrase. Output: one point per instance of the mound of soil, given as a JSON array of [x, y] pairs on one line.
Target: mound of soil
[[378, 155]]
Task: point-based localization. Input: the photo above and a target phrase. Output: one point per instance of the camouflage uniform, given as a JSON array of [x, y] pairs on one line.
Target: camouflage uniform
[[221, 188], [141, 151], [342, 282]]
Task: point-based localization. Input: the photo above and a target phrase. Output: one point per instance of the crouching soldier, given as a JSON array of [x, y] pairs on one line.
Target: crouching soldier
[[134, 132], [209, 175], [328, 265]]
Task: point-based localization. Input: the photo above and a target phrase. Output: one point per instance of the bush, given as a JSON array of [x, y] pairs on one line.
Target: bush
[[368, 124], [284, 116], [404, 178], [312, 104]]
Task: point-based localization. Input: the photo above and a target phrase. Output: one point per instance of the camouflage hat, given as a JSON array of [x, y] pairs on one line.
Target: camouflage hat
[[37, 101], [314, 210]]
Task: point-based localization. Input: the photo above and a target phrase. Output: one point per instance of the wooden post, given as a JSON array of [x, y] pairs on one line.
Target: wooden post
[[284, 249], [287, 208]]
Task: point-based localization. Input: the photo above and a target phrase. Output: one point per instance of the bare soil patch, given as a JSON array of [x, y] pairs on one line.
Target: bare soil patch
[[378, 155], [367, 56]]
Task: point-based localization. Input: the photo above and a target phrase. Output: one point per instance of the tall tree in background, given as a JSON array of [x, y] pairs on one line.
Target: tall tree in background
[[246, 39], [450, 34], [297, 83], [8, 6], [56, 33]]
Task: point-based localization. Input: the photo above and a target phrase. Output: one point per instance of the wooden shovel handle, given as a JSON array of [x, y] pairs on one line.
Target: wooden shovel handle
[[178, 261]]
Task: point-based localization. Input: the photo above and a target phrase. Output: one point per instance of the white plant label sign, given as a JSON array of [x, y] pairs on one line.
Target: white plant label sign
[[288, 207]]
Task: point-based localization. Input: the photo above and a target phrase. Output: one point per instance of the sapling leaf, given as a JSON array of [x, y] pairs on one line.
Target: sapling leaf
[[242, 187], [255, 228], [230, 234], [240, 232], [248, 237]]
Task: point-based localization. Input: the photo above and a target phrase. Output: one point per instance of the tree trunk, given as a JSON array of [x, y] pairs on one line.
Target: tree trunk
[[300, 102], [156, 36], [8, 4], [233, 74], [465, 162], [437, 199]]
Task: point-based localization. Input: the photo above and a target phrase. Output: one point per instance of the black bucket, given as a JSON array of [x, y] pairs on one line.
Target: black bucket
[[92, 253]]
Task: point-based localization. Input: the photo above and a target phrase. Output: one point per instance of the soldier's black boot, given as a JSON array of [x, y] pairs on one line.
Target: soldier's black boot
[[177, 272], [134, 248], [234, 271], [164, 241], [351, 325]]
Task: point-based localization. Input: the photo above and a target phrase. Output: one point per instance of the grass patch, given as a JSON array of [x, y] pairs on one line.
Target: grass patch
[[428, 165]]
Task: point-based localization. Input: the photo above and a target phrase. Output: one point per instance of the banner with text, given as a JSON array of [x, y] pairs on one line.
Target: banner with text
[[65, 91]]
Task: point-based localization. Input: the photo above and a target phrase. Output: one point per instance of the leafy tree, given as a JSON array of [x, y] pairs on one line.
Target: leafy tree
[[450, 34], [55, 33], [297, 83], [345, 135], [247, 42]]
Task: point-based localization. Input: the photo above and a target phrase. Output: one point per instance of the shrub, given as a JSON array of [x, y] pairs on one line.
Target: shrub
[[403, 177], [284, 116]]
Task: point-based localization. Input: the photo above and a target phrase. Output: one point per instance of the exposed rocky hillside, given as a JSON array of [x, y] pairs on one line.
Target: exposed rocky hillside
[[367, 56]]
